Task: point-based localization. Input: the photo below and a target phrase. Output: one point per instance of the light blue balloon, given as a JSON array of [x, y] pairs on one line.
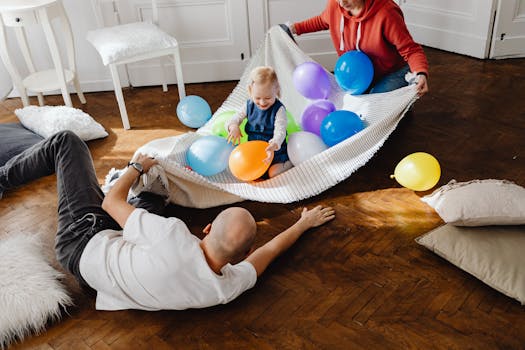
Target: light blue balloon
[[354, 72], [193, 111], [209, 155], [340, 125]]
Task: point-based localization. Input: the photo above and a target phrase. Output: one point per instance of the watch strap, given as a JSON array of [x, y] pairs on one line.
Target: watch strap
[[137, 166]]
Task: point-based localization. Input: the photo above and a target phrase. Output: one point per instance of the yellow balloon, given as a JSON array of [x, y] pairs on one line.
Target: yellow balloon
[[418, 171]]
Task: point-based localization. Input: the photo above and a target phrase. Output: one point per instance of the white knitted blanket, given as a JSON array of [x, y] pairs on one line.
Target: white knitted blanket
[[382, 113]]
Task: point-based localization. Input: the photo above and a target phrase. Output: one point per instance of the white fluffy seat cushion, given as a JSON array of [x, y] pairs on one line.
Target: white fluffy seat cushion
[[48, 120], [479, 203], [129, 40], [30, 293]]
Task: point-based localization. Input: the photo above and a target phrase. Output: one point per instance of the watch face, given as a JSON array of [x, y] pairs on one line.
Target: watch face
[[138, 166]]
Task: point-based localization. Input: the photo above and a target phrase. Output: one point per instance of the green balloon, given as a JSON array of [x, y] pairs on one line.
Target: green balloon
[[219, 128], [244, 135], [292, 125]]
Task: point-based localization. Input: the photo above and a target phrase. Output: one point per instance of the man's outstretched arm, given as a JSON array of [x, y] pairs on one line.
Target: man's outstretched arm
[[264, 255], [116, 201]]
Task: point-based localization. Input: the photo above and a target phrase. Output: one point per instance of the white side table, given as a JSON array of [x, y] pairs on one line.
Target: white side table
[[20, 13]]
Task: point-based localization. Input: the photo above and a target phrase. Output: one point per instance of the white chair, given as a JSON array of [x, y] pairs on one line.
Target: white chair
[[132, 42]]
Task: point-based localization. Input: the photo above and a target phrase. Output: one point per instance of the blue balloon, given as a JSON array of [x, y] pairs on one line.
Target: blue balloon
[[193, 111], [340, 125], [354, 72], [209, 155]]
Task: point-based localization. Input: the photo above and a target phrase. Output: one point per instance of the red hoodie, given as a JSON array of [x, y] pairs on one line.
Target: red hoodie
[[384, 35]]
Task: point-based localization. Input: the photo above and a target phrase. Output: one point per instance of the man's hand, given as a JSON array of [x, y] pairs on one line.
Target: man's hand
[[272, 147], [116, 201], [146, 161], [316, 216], [234, 134], [263, 256]]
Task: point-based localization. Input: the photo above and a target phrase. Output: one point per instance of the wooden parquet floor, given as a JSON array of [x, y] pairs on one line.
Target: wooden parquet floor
[[360, 282]]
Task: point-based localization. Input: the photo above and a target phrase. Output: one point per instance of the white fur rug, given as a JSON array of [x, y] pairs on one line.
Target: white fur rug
[[30, 291]]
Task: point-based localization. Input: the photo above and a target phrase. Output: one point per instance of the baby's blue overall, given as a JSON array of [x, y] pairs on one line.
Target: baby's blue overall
[[261, 124]]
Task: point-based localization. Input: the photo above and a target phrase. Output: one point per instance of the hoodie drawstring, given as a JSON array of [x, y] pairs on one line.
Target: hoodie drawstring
[[341, 31], [358, 37]]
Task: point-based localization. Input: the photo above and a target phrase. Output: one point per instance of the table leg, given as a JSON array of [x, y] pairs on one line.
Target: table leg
[[24, 48], [10, 67], [70, 49], [55, 55]]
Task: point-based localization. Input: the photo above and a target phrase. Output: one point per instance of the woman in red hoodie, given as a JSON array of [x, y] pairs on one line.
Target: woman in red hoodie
[[377, 28]]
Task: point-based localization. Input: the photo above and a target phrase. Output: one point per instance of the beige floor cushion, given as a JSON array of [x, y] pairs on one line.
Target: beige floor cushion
[[493, 254], [479, 203]]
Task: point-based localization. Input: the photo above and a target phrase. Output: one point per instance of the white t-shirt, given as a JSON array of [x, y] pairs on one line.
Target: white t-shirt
[[156, 263]]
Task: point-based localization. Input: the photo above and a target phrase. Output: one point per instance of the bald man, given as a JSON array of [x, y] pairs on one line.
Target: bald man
[[135, 258]]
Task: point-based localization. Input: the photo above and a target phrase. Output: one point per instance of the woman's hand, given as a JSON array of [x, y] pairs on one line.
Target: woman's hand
[[146, 161], [422, 85], [234, 134], [316, 216]]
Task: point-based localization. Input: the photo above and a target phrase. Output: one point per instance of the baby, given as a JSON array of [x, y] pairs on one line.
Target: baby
[[267, 119]]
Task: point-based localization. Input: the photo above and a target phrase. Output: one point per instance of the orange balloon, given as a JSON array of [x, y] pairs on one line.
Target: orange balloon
[[246, 160]]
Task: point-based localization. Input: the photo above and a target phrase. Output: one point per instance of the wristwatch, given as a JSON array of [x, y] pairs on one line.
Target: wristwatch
[[138, 167]]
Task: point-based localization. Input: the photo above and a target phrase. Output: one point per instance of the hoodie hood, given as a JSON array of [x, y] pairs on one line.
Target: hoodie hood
[[370, 8]]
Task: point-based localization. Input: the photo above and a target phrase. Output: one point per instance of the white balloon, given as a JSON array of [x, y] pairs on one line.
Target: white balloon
[[303, 145]]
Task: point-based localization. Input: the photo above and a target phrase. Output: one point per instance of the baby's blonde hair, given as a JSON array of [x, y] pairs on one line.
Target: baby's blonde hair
[[264, 75]]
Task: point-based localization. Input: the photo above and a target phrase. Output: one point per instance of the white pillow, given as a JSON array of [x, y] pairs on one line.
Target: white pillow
[[31, 294], [479, 203], [48, 120], [493, 254], [128, 40]]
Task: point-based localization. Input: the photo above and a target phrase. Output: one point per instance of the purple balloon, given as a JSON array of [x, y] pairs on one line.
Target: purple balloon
[[314, 114], [311, 80]]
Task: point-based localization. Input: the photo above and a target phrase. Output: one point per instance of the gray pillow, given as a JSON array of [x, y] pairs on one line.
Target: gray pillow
[[14, 139], [493, 254]]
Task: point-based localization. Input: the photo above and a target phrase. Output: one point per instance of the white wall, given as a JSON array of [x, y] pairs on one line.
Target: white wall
[[92, 74], [264, 14], [215, 33], [509, 30], [217, 38], [462, 26]]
